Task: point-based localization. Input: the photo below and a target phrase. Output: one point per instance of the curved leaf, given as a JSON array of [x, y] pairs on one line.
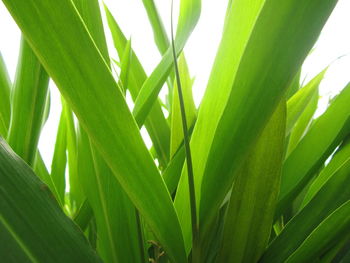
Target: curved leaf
[[302, 124], [299, 101], [262, 78], [333, 228], [188, 18], [156, 124], [315, 147], [339, 159], [28, 104], [32, 219], [86, 83], [325, 202]]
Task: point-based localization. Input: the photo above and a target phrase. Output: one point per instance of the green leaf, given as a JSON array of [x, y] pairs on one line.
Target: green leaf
[[162, 41], [299, 101], [340, 157], [336, 250], [254, 195], [114, 213], [41, 171], [5, 90], [125, 67], [160, 36], [333, 228], [188, 18], [251, 103], [213, 103], [84, 215], [261, 51], [302, 124], [28, 104], [31, 218], [88, 86], [171, 174], [90, 13], [176, 138], [315, 147], [294, 86], [155, 123], [116, 217], [325, 202], [76, 193], [59, 159]]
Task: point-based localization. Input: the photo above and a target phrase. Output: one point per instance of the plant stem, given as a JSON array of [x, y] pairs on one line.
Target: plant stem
[[195, 232]]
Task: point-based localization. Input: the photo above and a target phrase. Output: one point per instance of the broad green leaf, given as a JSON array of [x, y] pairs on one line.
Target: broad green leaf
[[114, 213], [325, 202], [191, 113], [5, 90], [214, 100], [30, 106], [299, 101], [188, 18], [155, 123], [32, 219], [254, 195], [333, 228], [89, 10], [89, 88], [261, 51], [29, 95], [59, 159], [251, 103], [302, 124], [315, 147], [338, 160]]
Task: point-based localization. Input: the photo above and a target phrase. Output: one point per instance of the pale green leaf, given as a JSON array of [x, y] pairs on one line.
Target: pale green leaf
[[29, 95], [5, 90], [188, 18], [88, 86], [299, 101], [325, 202], [59, 159], [340, 157], [302, 124], [315, 147], [254, 195], [156, 124]]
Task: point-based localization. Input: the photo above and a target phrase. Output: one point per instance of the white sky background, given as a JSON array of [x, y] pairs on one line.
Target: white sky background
[[200, 50]]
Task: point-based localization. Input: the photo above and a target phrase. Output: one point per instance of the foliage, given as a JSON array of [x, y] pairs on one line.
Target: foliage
[[266, 179]]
